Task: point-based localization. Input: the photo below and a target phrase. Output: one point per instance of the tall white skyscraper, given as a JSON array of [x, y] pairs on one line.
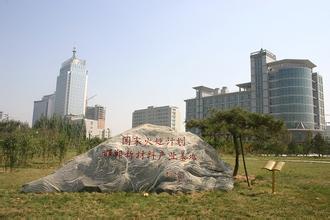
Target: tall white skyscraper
[[71, 87]]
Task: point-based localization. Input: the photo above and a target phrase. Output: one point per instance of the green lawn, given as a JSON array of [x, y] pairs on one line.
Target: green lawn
[[303, 191]]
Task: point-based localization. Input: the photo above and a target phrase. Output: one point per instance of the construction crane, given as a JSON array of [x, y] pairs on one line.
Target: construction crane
[[93, 96]]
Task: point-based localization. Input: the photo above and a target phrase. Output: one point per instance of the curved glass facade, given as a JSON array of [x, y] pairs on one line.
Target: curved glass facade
[[291, 96]]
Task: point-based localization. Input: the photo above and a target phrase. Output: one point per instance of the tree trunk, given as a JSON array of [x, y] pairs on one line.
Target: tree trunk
[[245, 169], [236, 145]]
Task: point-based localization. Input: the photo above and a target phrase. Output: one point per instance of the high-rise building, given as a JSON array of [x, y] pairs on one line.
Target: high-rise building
[[165, 116], [97, 113], [3, 116], [327, 132], [43, 108], [259, 80], [71, 87], [91, 127], [288, 89], [318, 101], [92, 130], [295, 96]]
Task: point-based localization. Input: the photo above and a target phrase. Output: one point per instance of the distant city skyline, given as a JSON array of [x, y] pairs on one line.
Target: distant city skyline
[[70, 92], [143, 53]]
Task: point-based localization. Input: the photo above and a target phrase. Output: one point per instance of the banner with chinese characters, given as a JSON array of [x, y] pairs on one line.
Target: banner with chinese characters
[[173, 149]]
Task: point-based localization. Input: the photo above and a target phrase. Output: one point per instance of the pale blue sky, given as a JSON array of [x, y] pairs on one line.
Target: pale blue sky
[[150, 52]]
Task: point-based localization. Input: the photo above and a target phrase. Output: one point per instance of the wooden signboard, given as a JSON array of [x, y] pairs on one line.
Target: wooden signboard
[[273, 166]]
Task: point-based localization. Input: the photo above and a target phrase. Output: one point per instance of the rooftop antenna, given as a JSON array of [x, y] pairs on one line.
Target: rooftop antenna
[[74, 52]]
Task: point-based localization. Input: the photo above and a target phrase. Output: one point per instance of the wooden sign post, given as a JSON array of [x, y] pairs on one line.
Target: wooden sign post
[[273, 166]]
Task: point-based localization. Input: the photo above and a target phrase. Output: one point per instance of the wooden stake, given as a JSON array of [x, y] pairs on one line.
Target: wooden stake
[[273, 182], [245, 169]]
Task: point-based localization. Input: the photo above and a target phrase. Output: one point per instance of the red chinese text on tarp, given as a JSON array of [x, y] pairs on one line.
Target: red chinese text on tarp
[[149, 155], [137, 141]]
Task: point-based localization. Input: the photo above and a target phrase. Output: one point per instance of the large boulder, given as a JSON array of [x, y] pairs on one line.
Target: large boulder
[[147, 158]]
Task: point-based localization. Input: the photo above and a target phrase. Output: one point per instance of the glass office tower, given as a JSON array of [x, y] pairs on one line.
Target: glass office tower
[[71, 87], [287, 89], [291, 92]]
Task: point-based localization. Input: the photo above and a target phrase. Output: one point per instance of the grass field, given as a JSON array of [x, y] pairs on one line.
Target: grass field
[[303, 191]]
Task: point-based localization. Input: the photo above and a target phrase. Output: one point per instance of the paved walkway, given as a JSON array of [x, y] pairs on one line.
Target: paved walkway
[[307, 161], [297, 161]]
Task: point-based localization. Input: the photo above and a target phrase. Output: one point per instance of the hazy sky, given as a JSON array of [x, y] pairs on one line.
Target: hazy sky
[[150, 52]]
